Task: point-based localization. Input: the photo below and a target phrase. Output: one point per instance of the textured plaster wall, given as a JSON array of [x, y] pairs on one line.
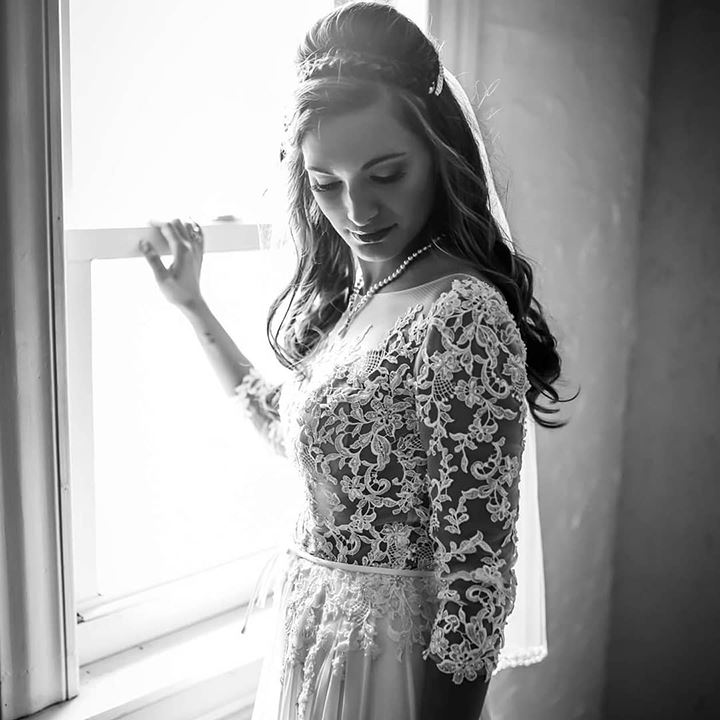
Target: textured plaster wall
[[664, 651], [570, 113]]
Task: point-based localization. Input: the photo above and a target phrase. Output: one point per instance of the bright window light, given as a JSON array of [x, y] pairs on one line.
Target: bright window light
[[182, 481], [176, 106]]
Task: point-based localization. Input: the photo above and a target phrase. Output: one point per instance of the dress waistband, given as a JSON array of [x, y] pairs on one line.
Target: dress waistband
[[335, 565], [263, 586]]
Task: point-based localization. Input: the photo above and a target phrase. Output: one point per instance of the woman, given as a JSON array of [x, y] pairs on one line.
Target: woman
[[418, 354]]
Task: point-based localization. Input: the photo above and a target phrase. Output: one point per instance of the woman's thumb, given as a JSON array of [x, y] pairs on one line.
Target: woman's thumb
[[153, 259]]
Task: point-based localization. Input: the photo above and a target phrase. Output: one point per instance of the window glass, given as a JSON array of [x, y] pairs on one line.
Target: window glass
[[175, 107], [182, 481]]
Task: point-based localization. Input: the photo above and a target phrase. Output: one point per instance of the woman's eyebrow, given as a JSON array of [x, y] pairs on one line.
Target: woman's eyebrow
[[368, 164]]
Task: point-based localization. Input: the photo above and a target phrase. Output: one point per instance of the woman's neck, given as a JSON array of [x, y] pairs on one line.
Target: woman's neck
[[413, 267], [430, 265]]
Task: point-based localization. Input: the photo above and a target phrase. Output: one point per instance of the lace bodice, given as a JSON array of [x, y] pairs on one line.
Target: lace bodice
[[408, 436]]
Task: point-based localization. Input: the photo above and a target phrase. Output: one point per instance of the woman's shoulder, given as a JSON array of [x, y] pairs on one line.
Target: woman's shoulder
[[462, 276], [469, 310], [469, 280], [463, 289], [467, 293]]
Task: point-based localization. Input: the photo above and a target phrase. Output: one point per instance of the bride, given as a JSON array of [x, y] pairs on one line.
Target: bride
[[418, 353]]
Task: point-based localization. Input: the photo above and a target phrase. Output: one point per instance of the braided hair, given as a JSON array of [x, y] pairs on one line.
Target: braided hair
[[330, 62], [357, 55]]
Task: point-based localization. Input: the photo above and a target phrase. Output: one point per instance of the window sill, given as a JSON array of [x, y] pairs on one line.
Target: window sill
[[208, 671]]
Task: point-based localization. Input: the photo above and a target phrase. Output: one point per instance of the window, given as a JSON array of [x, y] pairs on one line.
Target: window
[[175, 106], [171, 108]]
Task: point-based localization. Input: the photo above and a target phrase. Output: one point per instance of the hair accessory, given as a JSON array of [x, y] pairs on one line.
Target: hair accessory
[[375, 66], [437, 86]]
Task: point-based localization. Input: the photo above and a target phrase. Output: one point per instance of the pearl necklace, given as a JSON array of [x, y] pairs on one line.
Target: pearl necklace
[[354, 309]]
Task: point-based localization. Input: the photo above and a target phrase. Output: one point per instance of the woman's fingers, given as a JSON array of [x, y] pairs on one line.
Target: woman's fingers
[[194, 232], [180, 282], [168, 232], [174, 233], [181, 231], [159, 270]]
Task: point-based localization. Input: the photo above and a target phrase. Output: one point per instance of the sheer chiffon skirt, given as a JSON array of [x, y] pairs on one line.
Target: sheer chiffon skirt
[[348, 643]]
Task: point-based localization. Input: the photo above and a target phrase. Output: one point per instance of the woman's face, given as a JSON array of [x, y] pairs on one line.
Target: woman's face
[[369, 173]]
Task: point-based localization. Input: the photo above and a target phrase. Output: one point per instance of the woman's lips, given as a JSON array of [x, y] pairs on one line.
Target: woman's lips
[[372, 237]]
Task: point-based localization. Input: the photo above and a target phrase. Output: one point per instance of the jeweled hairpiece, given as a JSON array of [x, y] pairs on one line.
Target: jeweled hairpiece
[[374, 66], [437, 86]]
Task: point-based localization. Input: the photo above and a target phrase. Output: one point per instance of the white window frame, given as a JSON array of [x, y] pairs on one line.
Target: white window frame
[[110, 625]]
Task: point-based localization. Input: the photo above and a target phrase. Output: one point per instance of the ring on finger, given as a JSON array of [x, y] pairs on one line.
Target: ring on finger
[[192, 232], [195, 231]]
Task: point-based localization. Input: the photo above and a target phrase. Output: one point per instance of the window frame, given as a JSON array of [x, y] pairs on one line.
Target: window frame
[[111, 625], [106, 626]]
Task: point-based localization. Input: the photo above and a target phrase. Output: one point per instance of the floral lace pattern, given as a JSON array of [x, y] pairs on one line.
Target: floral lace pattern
[[331, 612], [258, 402], [409, 454]]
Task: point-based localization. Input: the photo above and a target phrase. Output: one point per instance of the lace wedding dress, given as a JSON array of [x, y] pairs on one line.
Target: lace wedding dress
[[416, 541]]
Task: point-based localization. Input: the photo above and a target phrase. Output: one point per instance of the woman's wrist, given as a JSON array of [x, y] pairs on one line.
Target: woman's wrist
[[442, 698], [195, 309]]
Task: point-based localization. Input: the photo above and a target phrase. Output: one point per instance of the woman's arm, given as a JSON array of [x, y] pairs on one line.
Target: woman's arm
[[257, 398], [180, 283], [470, 399], [230, 365]]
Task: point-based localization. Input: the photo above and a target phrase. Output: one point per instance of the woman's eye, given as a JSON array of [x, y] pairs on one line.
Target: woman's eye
[[389, 178], [317, 187]]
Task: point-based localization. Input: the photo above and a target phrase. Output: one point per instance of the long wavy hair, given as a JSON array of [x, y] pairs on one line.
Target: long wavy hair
[[355, 56]]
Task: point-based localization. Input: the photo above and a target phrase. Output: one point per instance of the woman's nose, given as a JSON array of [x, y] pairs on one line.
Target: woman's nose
[[361, 209]]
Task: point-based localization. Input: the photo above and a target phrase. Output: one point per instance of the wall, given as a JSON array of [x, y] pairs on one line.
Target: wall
[[664, 650], [570, 114]]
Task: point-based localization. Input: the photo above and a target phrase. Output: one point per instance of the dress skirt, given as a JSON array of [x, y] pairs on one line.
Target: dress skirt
[[348, 642]]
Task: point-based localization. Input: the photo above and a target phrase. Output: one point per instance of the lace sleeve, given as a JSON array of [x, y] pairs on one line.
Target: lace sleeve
[[259, 402], [470, 394]]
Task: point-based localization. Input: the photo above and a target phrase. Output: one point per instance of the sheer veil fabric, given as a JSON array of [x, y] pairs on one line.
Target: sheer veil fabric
[[525, 632]]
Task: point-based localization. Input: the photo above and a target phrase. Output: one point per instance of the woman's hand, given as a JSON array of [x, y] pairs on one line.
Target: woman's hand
[[442, 698], [180, 283]]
